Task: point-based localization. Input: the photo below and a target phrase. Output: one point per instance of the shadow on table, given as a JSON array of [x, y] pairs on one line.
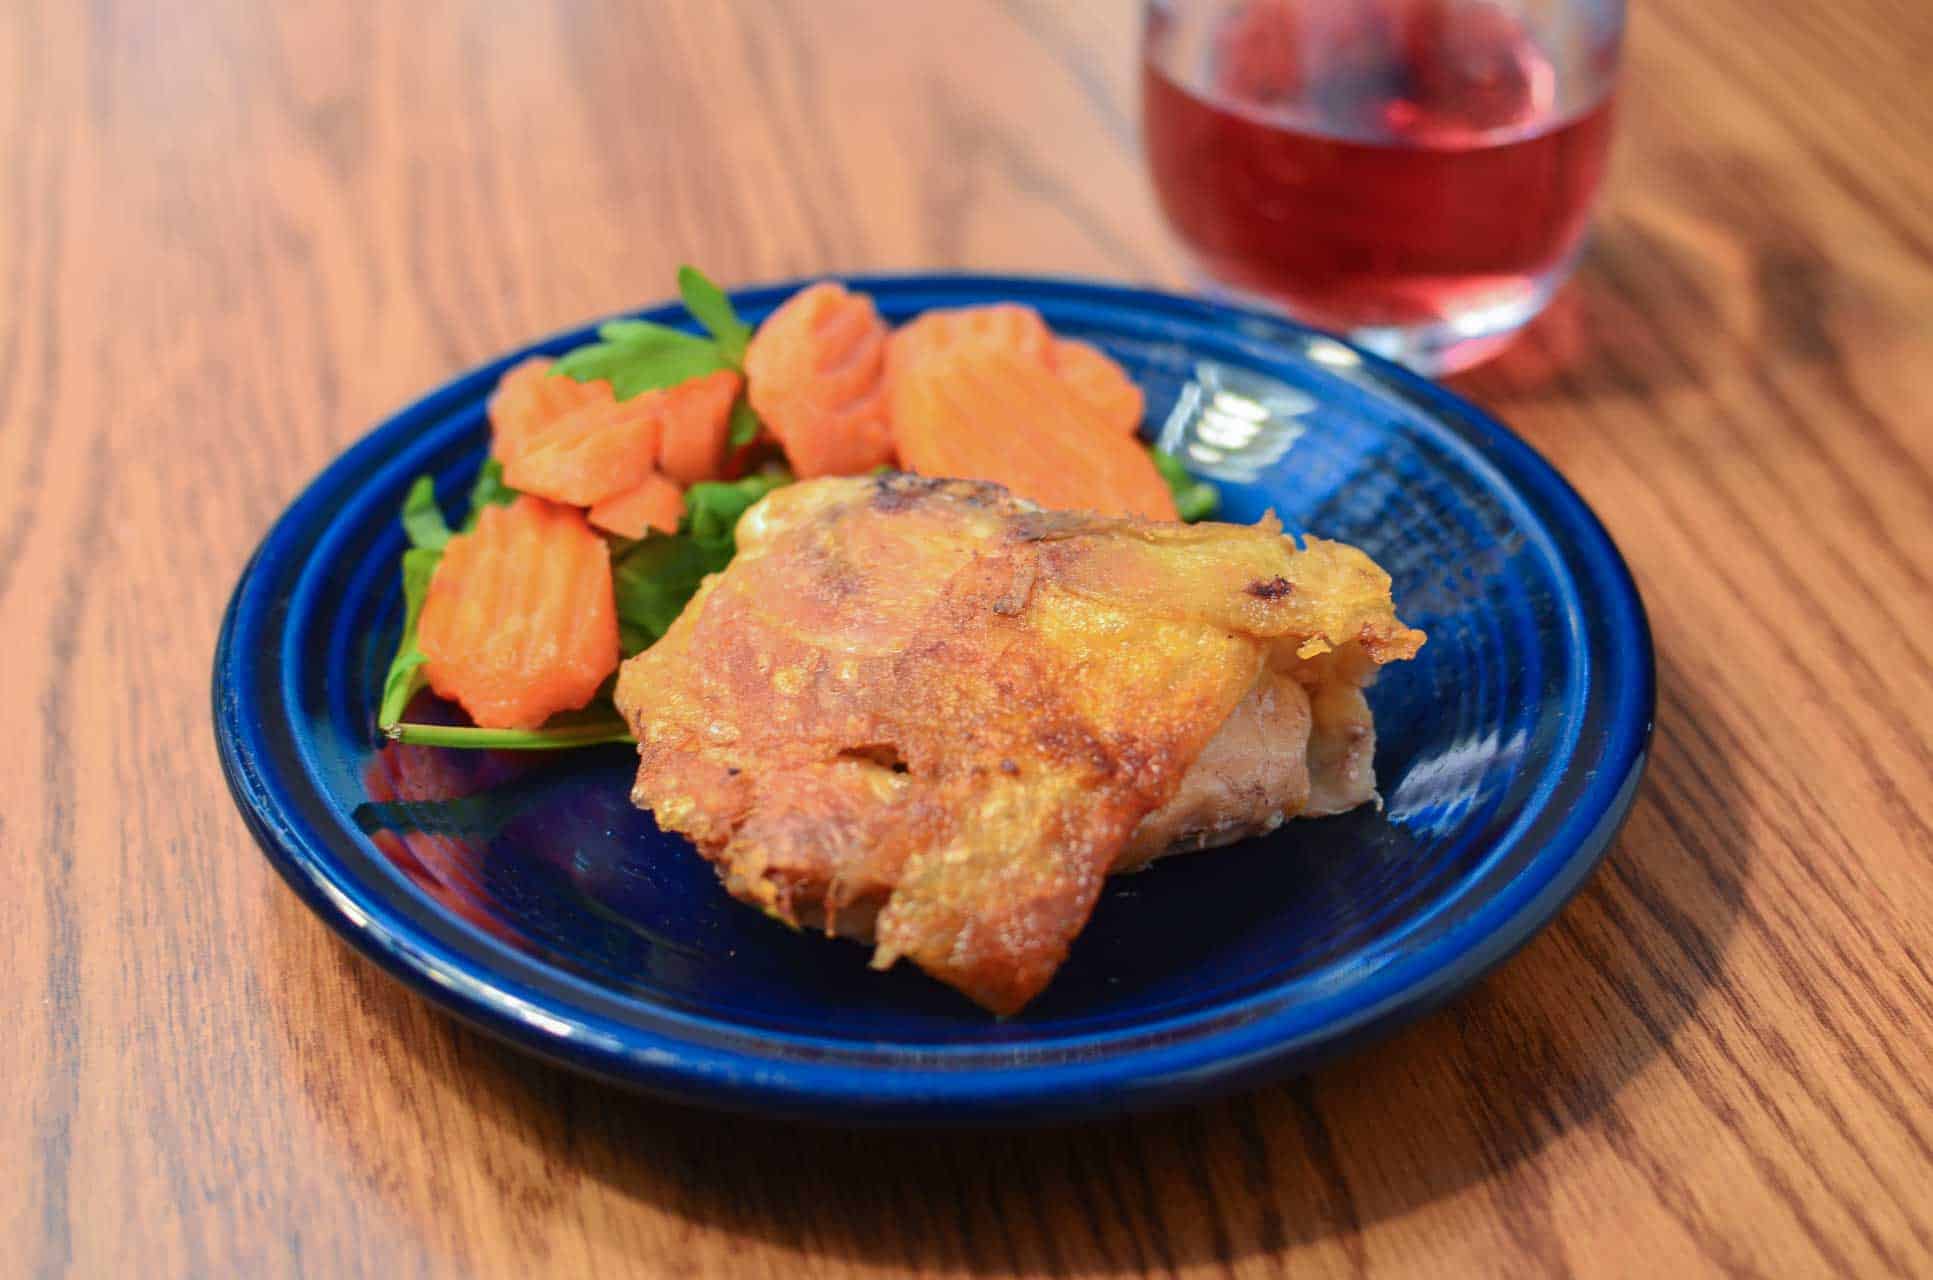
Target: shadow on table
[[1541, 1048], [1653, 307], [1597, 338]]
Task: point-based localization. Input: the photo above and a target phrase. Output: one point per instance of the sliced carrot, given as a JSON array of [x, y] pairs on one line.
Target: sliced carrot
[[982, 410], [696, 418], [653, 503], [1095, 378], [530, 398], [1008, 324], [848, 441], [815, 369], [592, 452], [520, 622]]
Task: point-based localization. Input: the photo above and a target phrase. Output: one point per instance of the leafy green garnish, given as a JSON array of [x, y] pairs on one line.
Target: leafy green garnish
[[637, 356], [657, 576], [488, 491], [652, 583], [406, 669], [607, 727], [422, 519], [712, 510], [710, 307], [654, 578], [1194, 499], [744, 424]]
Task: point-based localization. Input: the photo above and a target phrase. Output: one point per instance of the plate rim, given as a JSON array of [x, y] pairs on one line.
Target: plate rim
[[1213, 1061]]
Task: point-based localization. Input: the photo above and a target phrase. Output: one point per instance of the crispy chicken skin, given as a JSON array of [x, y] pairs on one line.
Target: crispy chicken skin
[[926, 714]]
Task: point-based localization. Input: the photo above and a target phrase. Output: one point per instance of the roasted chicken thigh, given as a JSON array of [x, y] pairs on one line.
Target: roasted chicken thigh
[[927, 715]]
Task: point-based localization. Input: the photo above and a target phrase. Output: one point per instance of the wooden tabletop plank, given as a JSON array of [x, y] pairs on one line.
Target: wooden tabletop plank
[[234, 235]]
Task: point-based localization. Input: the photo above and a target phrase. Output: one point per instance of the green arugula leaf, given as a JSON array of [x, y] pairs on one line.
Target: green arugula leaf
[[637, 356], [606, 727], [405, 676], [488, 491], [651, 585], [710, 307], [1194, 499], [712, 509], [654, 579], [745, 424], [423, 519]]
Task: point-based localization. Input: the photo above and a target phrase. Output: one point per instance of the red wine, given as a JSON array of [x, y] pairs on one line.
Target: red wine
[[1418, 169]]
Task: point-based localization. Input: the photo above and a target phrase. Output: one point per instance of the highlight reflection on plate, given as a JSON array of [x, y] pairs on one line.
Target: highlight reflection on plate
[[526, 894]]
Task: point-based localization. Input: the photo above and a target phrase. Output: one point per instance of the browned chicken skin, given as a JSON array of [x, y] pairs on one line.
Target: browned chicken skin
[[925, 714]]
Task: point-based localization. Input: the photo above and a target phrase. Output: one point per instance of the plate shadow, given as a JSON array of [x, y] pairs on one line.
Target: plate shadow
[[1472, 1093]]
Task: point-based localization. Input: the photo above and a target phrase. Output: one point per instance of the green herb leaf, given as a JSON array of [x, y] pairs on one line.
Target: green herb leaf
[[405, 676], [1194, 499], [745, 424], [488, 491], [651, 584], [637, 356], [711, 308], [581, 733], [656, 577], [712, 509], [423, 519]]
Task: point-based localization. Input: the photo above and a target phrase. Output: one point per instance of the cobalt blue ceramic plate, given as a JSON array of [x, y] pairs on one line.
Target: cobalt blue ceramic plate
[[526, 895]]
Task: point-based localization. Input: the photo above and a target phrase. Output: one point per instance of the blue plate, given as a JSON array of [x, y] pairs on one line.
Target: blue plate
[[526, 895]]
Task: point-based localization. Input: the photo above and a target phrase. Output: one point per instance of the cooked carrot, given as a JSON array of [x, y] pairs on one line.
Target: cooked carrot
[[1092, 374], [1008, 324], [985, 411], [592, 452], [1095, 378], [696, 420], [653, 503], [529, 398], [814, 369], [519, 622]]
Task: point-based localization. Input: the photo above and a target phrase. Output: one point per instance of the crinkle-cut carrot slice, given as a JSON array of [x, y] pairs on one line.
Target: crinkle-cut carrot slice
[[983, 411], [655, 502], [1093, 376], [520, 623], [849, 441], [590, 453], [1009, 324], [1090, 371], [530, 398], [695, 418], [814, 371]]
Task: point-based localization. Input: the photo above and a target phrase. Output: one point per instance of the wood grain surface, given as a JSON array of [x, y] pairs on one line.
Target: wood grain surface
[[234, 234]]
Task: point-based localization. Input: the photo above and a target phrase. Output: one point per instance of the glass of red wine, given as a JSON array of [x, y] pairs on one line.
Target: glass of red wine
[[1415, 174]]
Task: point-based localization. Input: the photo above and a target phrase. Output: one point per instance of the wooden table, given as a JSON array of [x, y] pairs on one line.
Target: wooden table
[[235, 234]]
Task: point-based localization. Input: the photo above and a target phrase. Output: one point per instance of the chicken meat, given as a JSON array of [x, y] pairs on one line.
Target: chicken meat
[[929, 716]]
